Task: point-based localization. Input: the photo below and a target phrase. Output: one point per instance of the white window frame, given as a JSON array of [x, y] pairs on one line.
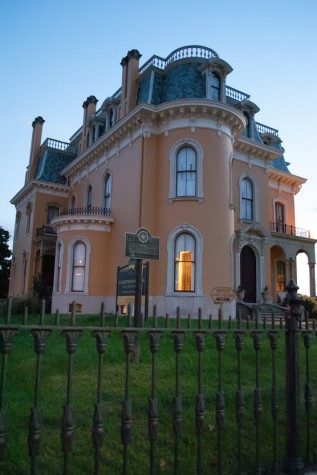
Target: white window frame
[[185, 228], [199, 170], [69, 276]]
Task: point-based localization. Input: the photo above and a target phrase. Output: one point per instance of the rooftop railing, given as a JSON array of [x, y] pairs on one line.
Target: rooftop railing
[[264, 129], [193, 51], [236, 94]]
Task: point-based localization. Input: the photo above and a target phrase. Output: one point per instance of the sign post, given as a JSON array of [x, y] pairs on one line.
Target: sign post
[[222, 295]]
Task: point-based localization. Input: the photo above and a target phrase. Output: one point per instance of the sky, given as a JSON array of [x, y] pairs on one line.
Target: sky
[[56, 53]]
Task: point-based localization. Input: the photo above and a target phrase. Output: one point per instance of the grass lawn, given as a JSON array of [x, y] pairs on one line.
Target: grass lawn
[[18, 398]]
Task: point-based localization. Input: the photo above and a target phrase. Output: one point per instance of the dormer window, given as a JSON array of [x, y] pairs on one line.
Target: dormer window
[[246, 131], [215, 87]]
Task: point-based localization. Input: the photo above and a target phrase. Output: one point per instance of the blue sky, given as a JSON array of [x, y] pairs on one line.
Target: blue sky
[[54, 54]]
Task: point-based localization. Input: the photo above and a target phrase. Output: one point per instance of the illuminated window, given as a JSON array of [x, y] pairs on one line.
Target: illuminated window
[[107, 197], [186, 172], [247, 199], [79, 265], [184, 263], [280, 276]]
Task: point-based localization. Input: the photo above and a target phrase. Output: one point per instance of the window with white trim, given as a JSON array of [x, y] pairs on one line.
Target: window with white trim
[[247, 199], [107, 191], [78, 267], [184, 263], [186, 170]]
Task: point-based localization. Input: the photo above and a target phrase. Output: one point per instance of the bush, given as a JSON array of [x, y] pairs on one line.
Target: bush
[[310, 306], [33, 304]]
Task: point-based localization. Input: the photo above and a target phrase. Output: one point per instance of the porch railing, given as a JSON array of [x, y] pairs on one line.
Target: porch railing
[[288, 229], [215, 418], [89, 210]]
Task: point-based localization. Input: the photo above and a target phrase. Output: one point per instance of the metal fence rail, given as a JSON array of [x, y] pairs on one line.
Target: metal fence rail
[[198, 396]]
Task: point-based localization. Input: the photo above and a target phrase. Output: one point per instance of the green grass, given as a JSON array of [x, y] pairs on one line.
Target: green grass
[[19, 398]]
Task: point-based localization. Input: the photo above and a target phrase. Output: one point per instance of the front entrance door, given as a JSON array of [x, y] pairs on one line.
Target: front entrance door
[[248, 273]]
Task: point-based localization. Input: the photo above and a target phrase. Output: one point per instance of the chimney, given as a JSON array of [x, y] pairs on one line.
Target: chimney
[[37, 125], [130, 74], [89, 110]]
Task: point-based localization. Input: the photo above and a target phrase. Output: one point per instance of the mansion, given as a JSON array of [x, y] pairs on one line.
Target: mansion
[[178, 152]]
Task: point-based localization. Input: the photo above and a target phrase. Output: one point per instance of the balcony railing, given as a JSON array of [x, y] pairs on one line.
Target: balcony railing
[[236, 94], [45, 231], [264, 129], [88, 210], [290, 230]]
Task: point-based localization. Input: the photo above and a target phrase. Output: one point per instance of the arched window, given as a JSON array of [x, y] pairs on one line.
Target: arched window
[[17, 224], [184, 263], [111, 117], [186, 169], [78, 267], [89, 198], [107, 192], [247, 199], [28, 217], [215, 87]]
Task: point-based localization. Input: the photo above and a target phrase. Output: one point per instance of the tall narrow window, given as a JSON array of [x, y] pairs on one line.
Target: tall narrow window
[[79, 263], [28, 218], [215, 87], [280, 217], [89, 198], [17, 224], [59, 267], [186, 169], [280, 276], [72, 205], [184, 274], [246, 199], [107, 197], [52, 212], [246, 131]]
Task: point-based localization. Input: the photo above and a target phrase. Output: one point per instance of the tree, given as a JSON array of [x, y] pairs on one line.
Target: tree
[[5, 262]]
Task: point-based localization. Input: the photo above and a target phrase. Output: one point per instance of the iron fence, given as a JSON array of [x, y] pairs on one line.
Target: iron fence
[[180, 395]]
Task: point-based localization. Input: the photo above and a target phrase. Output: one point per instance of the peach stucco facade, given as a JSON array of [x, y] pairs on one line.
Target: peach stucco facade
[[187, 162]]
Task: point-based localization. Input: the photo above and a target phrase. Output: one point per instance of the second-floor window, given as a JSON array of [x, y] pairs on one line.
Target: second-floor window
[[52, 212], [247, 199], [107, 192], [186, 168], [89, 198], [280, 217]]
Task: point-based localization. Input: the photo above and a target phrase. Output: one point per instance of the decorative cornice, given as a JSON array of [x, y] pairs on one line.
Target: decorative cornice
[[82, 223], [146, 119], [36, 185]]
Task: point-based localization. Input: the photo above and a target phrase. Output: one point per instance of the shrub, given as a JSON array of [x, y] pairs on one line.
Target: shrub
[[310, 306]]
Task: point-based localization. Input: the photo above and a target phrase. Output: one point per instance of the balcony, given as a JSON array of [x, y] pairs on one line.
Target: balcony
[[289, 230], [90, 218], [45, 231]]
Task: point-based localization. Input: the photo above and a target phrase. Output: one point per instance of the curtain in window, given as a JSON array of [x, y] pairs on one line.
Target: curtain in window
[[186, 172], [79, 263], [185, 263]]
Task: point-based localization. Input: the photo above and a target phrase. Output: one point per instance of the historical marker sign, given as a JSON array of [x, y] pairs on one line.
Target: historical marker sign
[[222, 294], [142, 245]]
